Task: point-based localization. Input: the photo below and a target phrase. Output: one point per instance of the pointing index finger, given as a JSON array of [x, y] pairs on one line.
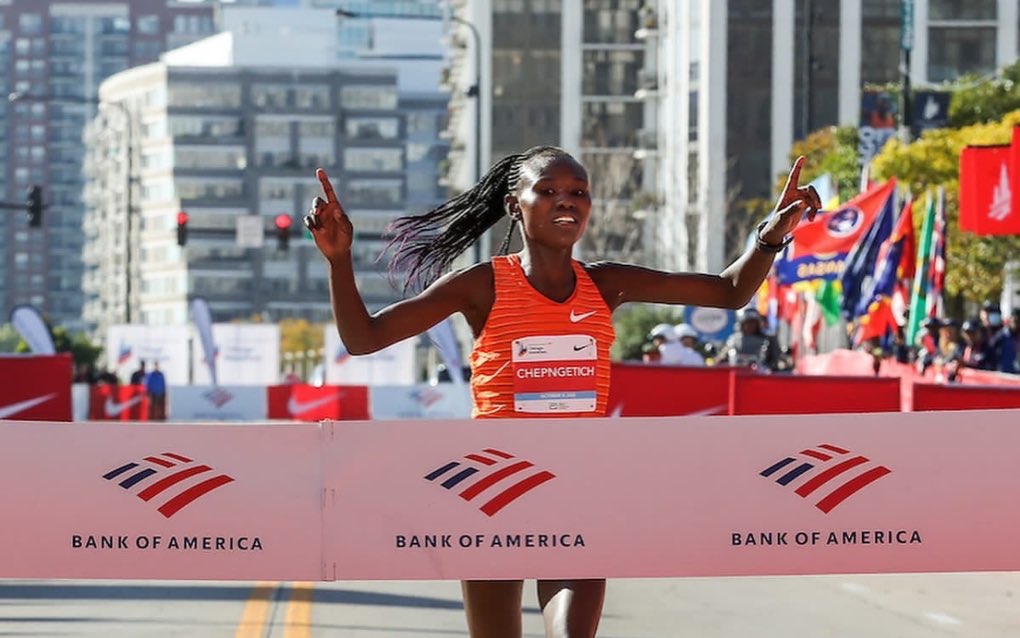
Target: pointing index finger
[[792, 182], [327, 186]]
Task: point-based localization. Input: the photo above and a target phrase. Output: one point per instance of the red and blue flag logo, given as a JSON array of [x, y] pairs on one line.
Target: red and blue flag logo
[[823, 471], [493, 475], [159, 478]]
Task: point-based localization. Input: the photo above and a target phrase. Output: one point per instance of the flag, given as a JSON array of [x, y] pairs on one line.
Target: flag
[[443, 337], [203, 324], [29, 323], [859, 266], [877, 317], [828, 297], [921, 280], [820, 247], [937, 261], [986, 191]]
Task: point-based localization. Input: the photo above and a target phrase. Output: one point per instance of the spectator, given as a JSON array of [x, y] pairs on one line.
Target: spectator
[[928, 344], [155, 387], [976, 352], [750, 345], [688, 338], [84, 374], [663, 337], [999, 339], [650, 353], [138, 376]]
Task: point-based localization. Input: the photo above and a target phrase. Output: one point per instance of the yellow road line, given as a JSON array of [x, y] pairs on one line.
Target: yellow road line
[[298, 620], [256, 611]]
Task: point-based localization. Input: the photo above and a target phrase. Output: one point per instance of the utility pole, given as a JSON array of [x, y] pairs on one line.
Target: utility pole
[[906, 44]]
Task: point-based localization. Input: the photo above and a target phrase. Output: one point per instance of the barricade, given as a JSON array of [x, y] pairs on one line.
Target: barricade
[[46, 398], [527, 498], [789, 394], [930, 396]]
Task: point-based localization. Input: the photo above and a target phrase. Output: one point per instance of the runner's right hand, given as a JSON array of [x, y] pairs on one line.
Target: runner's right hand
[[330, 226]]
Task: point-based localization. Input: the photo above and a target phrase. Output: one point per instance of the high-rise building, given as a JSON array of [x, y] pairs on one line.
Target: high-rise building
[[54, 54], [232, 129], [741, 80]]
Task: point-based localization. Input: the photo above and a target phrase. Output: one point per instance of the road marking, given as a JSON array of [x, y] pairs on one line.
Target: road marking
[[298, 619], [256, 611], [855, 588], [942, 619]]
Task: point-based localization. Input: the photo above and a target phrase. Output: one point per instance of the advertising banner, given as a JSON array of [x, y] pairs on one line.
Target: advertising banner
[[167, 501], [216, 403], [46, 398], [440, 401], [300, 402], [246, 354], [930, 396], [645, 498], [118, 403], [391, 366], [788, 394], [986, 200], [127, 344], [654, 390]]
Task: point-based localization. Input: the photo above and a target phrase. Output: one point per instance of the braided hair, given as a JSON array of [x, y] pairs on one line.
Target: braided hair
[[425, 245]]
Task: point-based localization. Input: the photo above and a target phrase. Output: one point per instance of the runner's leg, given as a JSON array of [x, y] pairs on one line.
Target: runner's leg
[[571, 608], [493, 607]]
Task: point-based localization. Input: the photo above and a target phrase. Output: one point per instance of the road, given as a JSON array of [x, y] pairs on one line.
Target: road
[[902, 606]]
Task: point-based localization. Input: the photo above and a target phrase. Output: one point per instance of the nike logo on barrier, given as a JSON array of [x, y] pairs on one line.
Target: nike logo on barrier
[[574, 318], [114, 408], [296, 407], [21, 406]]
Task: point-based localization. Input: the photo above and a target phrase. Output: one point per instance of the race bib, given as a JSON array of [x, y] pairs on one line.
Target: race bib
[[555, 374]]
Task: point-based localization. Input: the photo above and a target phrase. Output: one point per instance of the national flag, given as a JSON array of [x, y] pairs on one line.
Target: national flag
[[918, 303], [829, 297], [820, 247], [876, 309], [937, 261], [859, 267]]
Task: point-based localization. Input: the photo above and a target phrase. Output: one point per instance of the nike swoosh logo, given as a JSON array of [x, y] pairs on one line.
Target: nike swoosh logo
[[579, 348], [574, 318], [114, 408], [21, 406], [296, 407]]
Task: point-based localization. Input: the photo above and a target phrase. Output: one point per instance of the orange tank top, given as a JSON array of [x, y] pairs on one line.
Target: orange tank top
[[537, 357]]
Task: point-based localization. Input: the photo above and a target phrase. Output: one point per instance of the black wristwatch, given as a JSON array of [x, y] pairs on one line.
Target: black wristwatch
[[766, 247]]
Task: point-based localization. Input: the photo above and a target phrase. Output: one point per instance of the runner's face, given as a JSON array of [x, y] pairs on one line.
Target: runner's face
[[553, 202]]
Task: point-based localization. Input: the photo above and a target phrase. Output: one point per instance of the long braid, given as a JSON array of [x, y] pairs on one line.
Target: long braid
[[425, 245]]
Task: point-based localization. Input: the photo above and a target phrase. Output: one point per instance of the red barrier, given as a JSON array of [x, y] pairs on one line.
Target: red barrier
[[787, 394], [299, 402], [639, 389], [35, 388], [932, 396], [118, 403]]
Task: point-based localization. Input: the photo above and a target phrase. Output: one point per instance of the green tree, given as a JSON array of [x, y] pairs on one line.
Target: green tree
[[974, 265], [633, 323], [980, 100]]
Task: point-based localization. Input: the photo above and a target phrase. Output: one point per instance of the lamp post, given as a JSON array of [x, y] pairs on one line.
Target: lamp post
[[26, 97], [474, 90]]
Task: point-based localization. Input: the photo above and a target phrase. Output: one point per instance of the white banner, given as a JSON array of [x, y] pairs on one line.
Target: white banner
[[32, 328], [127, 344], [217, 403], [245, 353], [391, 366], [441, 401], [202, 317]]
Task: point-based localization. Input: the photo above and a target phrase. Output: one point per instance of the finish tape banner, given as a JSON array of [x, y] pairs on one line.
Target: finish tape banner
[[528, 498]]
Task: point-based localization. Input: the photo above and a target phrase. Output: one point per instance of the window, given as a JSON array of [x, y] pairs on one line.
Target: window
[[957, 51], [271, 95], [30, 23], [190, 94], [373, 159], [148, 24], [961, 10], [368, 192], [368, 97], [222, 158], [367, 128]]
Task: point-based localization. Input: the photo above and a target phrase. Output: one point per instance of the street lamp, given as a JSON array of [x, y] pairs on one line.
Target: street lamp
[[474, 91], [25, 97]]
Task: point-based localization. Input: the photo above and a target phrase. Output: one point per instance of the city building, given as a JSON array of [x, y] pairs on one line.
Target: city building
[[232, 129], [741, 80], [54, 55]]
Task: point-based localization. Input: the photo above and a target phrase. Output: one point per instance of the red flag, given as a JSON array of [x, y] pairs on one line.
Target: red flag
[[837, 232], [905, 230], [986, 190]]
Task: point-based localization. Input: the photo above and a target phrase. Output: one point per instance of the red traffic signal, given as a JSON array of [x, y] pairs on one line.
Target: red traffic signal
[[283, 223], [182, 228]]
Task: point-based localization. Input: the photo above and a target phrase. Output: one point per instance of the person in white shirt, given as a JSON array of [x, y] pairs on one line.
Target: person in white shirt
[[688, 340], [671, 351]]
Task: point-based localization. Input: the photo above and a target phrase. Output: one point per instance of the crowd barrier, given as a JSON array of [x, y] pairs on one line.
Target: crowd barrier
[[522, 498], [838, 382]]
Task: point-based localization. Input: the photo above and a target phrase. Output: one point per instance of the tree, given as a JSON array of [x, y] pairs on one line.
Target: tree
[[974, 265], [985, 100], [633, 323]]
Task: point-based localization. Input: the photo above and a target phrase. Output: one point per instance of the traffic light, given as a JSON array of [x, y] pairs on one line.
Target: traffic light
[[282, 223], [182, 228], [34, 205]]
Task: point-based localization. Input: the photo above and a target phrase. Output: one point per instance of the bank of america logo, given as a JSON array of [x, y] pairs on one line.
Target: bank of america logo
[[157, 477], [821, 471], [218, 397], [493, 475]]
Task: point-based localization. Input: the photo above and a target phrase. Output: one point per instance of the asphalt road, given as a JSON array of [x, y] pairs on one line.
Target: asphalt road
[[901, 606]]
